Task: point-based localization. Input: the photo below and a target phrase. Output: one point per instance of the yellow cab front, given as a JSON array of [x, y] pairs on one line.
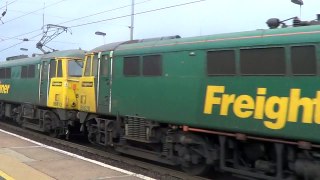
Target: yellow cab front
[[65, 74]]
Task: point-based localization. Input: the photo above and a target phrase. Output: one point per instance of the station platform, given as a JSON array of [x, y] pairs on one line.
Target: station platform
[[24, 159]]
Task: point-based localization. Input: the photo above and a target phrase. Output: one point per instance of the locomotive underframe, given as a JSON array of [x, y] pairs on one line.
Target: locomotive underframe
[[55, 122], [197, 153]]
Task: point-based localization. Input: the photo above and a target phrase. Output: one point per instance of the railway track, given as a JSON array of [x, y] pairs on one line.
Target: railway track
[[124, 162]]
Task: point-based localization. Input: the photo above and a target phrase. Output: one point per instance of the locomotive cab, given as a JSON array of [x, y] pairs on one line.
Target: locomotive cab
[[87, 100], [95, 83], [65, 74]]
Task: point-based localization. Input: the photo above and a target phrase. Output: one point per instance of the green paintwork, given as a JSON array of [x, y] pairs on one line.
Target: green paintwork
[[104, 85], [177, 97], [22, 89]]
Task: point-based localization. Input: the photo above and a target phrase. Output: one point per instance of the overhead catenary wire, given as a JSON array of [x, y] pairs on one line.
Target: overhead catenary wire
[[3, 38], [40, 13], [139, 13], [18, 43], [34, 11], [110, 10], [4, 13], [72, 19], [8, 4], [16, 37], [109, 19], [12, 46]]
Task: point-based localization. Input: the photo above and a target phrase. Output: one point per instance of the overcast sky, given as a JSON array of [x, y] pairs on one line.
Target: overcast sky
[[196, 19]]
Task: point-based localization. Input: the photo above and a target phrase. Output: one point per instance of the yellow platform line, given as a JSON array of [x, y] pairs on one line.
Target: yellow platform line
[[5, 176]]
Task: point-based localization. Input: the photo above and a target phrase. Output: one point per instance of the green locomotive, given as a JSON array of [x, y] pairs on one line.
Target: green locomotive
[[40, 92], [246, 103]]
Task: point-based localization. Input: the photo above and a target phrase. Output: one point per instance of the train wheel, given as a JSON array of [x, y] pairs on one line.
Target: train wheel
[[194, 170], [92, 131], [2, 111], [52, 124], [194, 164], [19, 119], [54, 133], [195, 155]]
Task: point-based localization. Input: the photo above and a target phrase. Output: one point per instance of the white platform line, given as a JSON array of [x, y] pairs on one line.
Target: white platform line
[[25, 147], [80, 157], [112, 177]]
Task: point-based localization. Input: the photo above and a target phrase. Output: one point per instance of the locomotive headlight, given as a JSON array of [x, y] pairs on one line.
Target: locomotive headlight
[[66, 84]]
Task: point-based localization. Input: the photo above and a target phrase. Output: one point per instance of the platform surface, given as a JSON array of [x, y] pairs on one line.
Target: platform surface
[[21, 159]]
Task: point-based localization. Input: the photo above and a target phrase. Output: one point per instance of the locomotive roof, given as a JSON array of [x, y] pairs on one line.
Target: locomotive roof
[[18, 62], [115, 45], [37, 59], [107, 47], [66, 53], [257, 38]]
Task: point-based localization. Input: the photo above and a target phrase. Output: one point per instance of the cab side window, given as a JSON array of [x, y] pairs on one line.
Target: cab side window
[[152, 65], [53, 67], [147, 66], [263, 61], [27, 71], [8, 73], [24, 72], [31, 71], [88, 66], [303, 60], [95, 65], [5, 73], [104, 66], [131, 66], [59, 70], [221, 63]]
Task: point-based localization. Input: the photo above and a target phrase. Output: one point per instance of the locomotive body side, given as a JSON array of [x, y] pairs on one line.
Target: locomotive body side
[[181, 95], [18, 86], [246, 103]]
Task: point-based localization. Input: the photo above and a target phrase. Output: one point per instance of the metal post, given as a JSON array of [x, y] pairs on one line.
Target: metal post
[[299, 2], [44, 6], [132, 20]]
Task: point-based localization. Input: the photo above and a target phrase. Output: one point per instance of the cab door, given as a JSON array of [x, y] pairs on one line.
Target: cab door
[[104, 83], [56, 93], [87, 92], [44, 80]]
